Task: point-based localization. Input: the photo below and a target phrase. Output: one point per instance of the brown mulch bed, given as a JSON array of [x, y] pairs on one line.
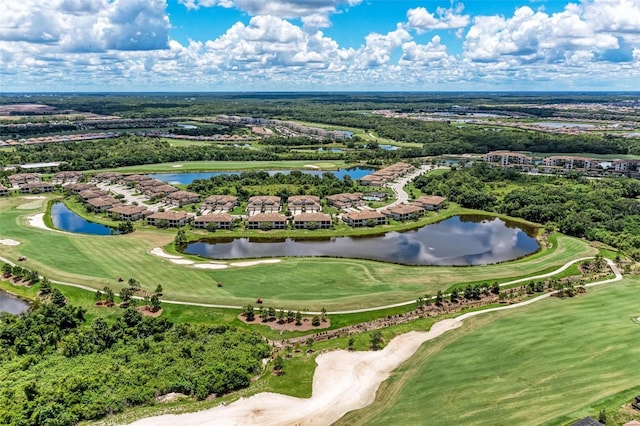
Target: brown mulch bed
[[104, 304], [146, 310], [289, 326]]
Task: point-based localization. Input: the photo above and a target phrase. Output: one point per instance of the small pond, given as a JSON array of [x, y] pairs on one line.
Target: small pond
[[11, 304], [388, 147], [187, 178], [459, 240], [66, 220]]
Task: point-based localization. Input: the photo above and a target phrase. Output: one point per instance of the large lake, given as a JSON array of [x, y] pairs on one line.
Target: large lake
[[187, 178], [11, 304], [459, 240], [66, 220]]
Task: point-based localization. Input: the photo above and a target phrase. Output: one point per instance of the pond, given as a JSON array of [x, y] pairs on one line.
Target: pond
[[187, 178], [11, 304], [459, 240], [561, 124], [388, 147], [66, 220]]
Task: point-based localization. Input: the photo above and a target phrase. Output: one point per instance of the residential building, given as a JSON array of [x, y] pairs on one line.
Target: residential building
[[345, 200], [297, 204], [102, 204], [36, 187], [312, 221], [267, 221], [431, 202], [181, 198], [110, 177], [388, 174], [142, 185], [221, 202], [364, 218], [128, 212], [405, 211], [67, 177], [160, 191], [568, 162], [169, 218], [219, 220], [88, 194], [132, 180], [263, 204], [23, 178], [507, 158], [76, 188]]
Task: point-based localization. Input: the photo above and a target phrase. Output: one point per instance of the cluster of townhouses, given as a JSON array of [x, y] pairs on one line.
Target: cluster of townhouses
[[386, 175], [262, 211], [563, 163]]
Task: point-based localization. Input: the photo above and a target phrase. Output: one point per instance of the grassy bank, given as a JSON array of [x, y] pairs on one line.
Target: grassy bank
[[209, 166], [522, 367]]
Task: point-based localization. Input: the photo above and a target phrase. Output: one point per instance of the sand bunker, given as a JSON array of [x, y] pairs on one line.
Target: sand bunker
[[311, 166], [210, 266], [255, 262], [37, 221], [182, 261], [175, 166], [343, 381], [34, 197], [160, 253], [9, 242]]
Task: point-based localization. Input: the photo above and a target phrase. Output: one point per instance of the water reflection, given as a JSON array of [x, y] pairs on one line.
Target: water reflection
[[66, 220], [12, 305], [459, 240], [186, 178]]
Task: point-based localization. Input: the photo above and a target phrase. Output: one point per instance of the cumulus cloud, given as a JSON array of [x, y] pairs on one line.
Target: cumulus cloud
[[281, 8], [421, 19], [603, 29], [88, 25]]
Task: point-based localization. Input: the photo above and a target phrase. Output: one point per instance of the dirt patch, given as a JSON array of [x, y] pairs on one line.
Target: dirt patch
[[288, 326], [104, 304], [147, 311]]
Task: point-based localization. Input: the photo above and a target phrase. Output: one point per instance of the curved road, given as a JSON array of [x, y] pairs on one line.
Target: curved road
[[614, 268]]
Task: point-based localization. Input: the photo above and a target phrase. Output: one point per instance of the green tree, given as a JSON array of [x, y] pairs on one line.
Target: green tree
[[181, 238], [155, 303], [376, 340], [602, 416], [439, 298], [45, 286], [298, 318], [159, 290], [278, 365], [249, 313], [315, 321], [57, 298]]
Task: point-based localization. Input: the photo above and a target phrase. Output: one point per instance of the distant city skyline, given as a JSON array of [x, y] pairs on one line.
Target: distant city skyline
[[319, 45]]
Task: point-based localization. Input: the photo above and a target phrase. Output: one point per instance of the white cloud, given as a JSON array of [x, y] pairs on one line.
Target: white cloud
[[87, 25], [281, 8], [421, 19]]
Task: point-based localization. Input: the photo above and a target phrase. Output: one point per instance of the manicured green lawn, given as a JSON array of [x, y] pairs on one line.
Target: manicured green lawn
[[544, 363], [295, 283], [192, 166]]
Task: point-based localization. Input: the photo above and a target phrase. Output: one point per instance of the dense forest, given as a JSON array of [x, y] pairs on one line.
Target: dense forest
[[57, 369], [605, 210], [248, 184]]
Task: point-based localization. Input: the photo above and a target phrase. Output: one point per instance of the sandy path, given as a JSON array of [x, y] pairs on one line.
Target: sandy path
[[9, 242], [343, 381]]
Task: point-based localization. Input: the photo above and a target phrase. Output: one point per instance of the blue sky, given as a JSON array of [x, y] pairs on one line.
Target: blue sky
[[308, 45]]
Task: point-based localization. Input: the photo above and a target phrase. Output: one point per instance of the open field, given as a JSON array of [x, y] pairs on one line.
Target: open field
[[547, 363], [197, 166], [295, 283]]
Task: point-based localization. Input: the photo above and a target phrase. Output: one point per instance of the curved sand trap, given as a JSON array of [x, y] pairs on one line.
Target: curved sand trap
[[311, 166], [210, 266], [37, 221], [343, 381], [255, 262], [34, 197], [9, 242], [160, 253], [182, 261], [175, 166]]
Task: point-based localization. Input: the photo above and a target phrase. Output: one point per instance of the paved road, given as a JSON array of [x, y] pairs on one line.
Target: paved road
[[398, 187]]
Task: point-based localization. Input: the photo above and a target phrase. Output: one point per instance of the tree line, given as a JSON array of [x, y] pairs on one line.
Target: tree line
[[604, 210]]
